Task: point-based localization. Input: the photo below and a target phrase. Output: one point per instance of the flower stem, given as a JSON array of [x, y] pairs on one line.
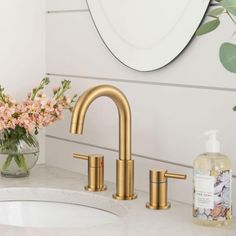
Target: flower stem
[[23, 164], [2, 95], [41, 86], [19, 159], [7, 162]]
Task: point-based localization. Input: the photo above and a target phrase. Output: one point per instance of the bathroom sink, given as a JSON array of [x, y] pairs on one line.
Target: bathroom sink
[[55, 208]]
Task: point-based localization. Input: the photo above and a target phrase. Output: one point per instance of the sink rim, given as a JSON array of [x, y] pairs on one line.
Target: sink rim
[[41, 215], [67, 196]]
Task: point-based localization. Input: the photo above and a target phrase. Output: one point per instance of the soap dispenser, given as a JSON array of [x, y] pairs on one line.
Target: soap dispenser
[[212, 177]]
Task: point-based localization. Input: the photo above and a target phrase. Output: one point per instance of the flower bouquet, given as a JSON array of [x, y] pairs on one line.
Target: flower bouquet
[[20, 122]]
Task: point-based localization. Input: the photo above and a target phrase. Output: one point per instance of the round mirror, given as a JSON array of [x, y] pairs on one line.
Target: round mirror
[[147, 34]]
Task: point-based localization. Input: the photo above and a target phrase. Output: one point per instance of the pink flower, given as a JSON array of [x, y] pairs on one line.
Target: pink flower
[[56, 89], [36, 111]]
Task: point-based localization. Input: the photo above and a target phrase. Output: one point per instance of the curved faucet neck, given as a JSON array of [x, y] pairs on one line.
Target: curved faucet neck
[[123, 107]]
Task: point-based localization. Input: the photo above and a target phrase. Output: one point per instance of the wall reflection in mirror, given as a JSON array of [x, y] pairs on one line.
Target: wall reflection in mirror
[[147, 34]]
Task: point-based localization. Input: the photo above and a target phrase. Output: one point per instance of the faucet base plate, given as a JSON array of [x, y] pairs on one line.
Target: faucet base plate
[[149, 206], [115, 196], [87, 188]]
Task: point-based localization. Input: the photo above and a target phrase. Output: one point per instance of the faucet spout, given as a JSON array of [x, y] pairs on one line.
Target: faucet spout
[[125, 164]]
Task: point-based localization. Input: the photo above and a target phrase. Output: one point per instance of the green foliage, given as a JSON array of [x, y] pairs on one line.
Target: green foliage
[[216, 12], [9, 142], [10, 139], [227, 50], [7, 162], [229, 5], [224, 7], [65, 85], [45, 81], [2, 95], [208, 27], [228, 56]]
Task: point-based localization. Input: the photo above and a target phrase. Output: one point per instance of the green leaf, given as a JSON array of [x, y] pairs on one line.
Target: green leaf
[[208, 27], [228, 56], [23, 164], [7, 163], [216, 12], [229, 5], [234, 108], [17, 160]]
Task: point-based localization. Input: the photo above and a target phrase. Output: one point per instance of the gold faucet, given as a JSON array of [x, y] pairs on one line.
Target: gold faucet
[[125, 164], [158, 188]]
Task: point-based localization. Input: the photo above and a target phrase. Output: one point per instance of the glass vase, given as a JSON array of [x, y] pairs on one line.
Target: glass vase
[[18, 153]]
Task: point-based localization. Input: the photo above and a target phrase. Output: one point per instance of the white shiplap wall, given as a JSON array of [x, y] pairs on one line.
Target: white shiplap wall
[[22, 48], [171, 107]]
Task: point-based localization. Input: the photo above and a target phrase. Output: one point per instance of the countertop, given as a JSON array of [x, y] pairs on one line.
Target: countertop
[[137, 220]]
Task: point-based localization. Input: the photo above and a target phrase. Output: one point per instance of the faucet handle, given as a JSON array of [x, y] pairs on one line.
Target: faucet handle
[[158, 188], [95, 171], [80, 156]]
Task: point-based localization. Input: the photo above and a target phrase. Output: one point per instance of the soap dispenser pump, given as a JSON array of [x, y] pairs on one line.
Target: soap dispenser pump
[[212, 144], [212, 177]]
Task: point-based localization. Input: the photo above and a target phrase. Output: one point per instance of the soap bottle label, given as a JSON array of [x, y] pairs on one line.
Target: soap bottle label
[[212, 195]]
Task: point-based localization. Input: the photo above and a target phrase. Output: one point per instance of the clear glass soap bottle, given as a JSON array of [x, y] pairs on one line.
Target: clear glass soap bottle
[[212, 178]]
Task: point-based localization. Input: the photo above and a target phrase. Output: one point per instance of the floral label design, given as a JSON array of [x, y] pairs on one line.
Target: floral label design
[[212, 195]]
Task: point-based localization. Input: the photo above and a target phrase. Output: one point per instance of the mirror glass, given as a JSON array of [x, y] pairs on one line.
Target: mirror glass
[[147, 34]]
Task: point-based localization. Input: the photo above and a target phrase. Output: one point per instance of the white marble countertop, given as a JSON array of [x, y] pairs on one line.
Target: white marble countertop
[[136, 221]]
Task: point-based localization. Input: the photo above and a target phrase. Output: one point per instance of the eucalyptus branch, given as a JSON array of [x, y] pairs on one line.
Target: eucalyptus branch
[[215, 4], [230, 16]]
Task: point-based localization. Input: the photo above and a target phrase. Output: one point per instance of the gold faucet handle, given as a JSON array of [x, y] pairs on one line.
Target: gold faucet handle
[[95, 171], [158, 188], [94, 160], [80, 156], [175, 176], [160, 176]]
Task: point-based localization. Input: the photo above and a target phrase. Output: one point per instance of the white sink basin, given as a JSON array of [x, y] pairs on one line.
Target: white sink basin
[[51, 214], [53, 208]]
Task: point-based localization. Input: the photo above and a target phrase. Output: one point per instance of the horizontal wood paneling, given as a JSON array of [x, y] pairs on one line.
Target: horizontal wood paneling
[[59, 5], [177, 189], [22, 49], [171, 107], [167, 122], [60, 155], [75, 48]]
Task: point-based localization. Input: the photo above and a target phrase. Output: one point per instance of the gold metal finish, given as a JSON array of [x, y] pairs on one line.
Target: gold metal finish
[[158, 188], [80, 156], [125, 165], [95, 172]]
